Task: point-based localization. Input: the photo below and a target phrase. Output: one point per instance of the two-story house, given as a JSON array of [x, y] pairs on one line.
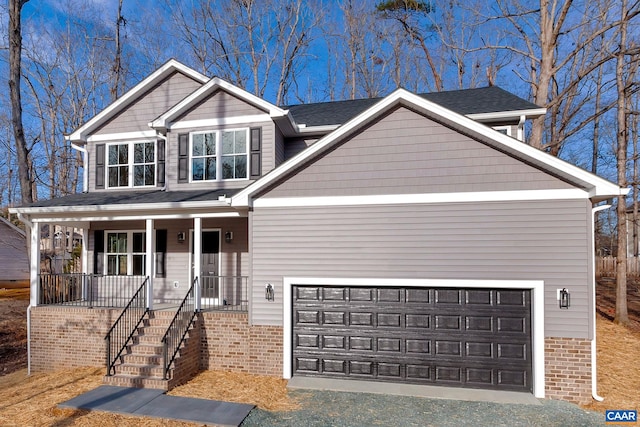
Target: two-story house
[[412, 239]]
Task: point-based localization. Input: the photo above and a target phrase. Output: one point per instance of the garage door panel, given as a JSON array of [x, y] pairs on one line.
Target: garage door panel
[[464, 337]]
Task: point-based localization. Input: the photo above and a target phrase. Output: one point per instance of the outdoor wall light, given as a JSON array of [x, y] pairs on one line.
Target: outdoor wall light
[[268, 292], [228, 236], [182, 236], [564, 298]]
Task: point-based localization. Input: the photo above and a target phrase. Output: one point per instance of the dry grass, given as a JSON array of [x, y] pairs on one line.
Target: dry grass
[[618, 371], [268, 393], [32, 401], [14, 293]]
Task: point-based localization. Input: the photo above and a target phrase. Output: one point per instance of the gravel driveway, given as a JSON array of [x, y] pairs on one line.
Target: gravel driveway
[[330, 408]]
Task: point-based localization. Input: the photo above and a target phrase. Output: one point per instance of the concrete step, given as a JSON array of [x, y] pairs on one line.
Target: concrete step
[[125, 380]]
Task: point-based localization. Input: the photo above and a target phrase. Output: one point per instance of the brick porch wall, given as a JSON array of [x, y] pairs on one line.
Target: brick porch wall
[[64, 337], [568, 369], [230, 343]]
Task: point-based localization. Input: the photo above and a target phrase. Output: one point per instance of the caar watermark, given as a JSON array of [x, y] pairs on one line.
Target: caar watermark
[[621, 416]]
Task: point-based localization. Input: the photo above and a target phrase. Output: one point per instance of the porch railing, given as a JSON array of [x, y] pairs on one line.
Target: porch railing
[[177, 330], [224, 293], [87, 290], [125, 326]]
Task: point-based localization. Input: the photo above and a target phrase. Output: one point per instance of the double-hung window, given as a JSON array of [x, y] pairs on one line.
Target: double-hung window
[[131, 164], [219, 155], [126, 253]]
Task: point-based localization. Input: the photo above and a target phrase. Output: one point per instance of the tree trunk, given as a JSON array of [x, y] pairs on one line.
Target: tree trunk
[[15, 68], [622, 315]]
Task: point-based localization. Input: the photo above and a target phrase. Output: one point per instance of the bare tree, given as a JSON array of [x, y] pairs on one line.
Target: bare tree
[[15, 69]]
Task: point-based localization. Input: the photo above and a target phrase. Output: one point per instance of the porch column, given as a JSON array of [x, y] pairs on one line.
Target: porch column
[[34, 262], [85, 262], [149, 264], [197, 255]]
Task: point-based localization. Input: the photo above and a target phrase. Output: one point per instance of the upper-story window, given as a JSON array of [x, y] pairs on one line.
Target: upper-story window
[[217, 155], [131, 164]]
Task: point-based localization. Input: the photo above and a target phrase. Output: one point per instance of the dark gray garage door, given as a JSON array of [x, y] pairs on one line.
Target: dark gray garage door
[[477, 338]]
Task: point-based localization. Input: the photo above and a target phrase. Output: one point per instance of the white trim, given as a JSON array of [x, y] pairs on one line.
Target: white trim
[[401, 97], [123, 136], [154, 78], [221, 121], [515, 114], [140, 215], [304, 130], [203, 92], [149, 208], [400, 199], [537, 311]]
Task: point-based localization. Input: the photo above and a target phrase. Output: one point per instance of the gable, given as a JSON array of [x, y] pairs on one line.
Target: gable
[[219, 105], [407, 153], [149, 105]]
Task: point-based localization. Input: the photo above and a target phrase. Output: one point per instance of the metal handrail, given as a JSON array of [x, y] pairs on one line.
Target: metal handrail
[[177, 330], [125, 324]]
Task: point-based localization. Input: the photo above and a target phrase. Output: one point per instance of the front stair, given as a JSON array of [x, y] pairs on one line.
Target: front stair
[[141, 364]]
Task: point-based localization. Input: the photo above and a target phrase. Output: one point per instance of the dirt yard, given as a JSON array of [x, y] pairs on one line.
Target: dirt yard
[[33, 400]]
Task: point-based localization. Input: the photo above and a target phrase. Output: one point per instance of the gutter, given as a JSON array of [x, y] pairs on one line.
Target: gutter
[[594, 379]]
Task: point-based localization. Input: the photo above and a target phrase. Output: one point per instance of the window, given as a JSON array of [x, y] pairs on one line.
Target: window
[[203, 156], [217, 155], [503, 129], [131, 165], [126, 253]]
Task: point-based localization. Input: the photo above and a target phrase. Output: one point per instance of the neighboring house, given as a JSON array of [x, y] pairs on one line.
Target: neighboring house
[[14, 261], [398, 239]]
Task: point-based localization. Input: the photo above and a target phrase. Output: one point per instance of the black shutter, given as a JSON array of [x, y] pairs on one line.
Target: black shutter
[[161, 253], [183, 157], [98, 251], [160, 156], [255, 161], [100, 166]]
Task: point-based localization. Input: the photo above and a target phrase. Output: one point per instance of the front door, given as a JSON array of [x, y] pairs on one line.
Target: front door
[[210, 266]]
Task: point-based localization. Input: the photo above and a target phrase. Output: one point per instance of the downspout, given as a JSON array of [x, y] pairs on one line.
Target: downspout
[[520, 131], [594, 379], [85, 174], [30, 225]]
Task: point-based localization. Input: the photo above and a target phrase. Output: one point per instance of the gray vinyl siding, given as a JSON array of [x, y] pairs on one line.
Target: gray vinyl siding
[[14, 263], [220, 104], [408, 153], [234, 256], [295, 146], [279, 148], [530, 240], [150, 105], [267, 161]]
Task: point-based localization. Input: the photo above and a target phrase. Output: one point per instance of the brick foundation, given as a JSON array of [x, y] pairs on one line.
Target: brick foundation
[[568, 369], [64, 337], [70, 337], [230, 343]]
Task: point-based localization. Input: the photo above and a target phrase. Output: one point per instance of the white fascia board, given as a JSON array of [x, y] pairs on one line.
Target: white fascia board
[[411, 199], [123, 136], [221, 121], [145, 207], [161, 73], [515, 114], [164, 121], [304, 130], [140, 216]]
